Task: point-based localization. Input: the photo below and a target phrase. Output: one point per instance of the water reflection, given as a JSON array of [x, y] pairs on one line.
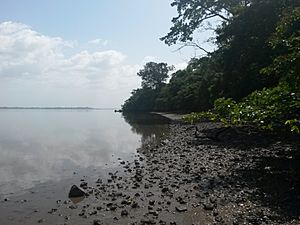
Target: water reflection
[[38, 146], [151, 127]]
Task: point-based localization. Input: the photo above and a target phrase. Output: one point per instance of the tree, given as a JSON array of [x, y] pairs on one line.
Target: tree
[[243, 44], [153, 77], [286, 43], [141, 100], [257, 56], [193, 13], [154, 74]]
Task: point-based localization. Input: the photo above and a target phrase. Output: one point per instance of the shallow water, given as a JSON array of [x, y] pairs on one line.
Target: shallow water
[[45, 147]]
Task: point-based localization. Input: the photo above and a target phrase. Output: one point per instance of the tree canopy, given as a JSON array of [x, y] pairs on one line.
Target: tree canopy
[[154, 74], [153, 77], [253, 77], [193, 13]]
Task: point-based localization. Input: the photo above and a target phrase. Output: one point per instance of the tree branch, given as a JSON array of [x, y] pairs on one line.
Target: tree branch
[[216, 14], [192, 44]]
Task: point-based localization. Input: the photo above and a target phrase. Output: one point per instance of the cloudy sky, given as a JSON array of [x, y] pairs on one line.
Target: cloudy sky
[[80, 53]]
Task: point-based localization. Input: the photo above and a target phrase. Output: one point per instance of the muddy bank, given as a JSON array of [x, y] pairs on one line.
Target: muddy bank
[[190, 178]]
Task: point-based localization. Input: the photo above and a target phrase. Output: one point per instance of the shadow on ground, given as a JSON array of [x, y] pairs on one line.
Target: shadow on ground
[[270, 165]]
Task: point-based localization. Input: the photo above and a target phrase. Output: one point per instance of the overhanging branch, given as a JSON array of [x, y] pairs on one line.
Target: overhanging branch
[[192, 44]]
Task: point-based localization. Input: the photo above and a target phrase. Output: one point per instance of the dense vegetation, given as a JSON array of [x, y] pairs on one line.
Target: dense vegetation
[[253, 78]]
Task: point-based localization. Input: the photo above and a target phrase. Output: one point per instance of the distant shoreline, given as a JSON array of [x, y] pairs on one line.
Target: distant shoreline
[[57, 108]]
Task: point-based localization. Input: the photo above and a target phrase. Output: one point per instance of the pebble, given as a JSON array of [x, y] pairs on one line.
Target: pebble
[[180, 171], [181, 209], [97, 222], [41, 220], [208, 206], [124, 212]]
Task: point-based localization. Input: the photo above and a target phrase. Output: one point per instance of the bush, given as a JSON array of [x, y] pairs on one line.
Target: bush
[[269, 109]]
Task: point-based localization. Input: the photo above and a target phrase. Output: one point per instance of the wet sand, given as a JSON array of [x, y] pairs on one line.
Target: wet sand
[[188, 178]]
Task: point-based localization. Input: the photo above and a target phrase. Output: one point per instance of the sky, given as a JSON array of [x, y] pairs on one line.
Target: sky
[[81, 53]]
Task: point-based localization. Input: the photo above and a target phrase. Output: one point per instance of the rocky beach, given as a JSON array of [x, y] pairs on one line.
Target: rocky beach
[[190, 177]]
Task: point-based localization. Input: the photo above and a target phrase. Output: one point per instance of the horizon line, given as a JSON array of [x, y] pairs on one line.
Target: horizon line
[[57, 107]]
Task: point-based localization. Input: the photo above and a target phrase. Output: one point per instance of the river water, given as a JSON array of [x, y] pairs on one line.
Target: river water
[[39, 148]]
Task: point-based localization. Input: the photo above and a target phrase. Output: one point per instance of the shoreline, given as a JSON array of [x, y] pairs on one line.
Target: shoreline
[[171, 116], [192, 179]]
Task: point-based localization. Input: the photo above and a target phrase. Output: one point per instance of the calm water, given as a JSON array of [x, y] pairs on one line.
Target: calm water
[[39, 146]]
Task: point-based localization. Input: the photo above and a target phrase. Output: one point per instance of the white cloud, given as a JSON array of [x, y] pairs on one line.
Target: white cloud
[[99, 41], [38, 65]]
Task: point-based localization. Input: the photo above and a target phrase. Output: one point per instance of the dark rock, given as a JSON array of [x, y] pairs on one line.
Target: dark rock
[[82, 213], [164, 190], [93, 213], [154, 161], [138, 178], [181, 200], [125, 202], [67, 218], [76, 192], [181, 209], [41, 220], [218, 219], [52, 211], [97, 222], [151, 202], [124, 212], [213, 199], [83, 184], [154, 213], [135, 205], [113, 207], [147, 222], [99, 181], [208, 206]]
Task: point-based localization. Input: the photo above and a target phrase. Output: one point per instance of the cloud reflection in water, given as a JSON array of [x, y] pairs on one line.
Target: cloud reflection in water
[[37, 146]]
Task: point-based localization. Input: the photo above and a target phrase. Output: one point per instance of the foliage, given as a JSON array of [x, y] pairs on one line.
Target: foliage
[[141, 100], [193, 13], [195, 88], [269, 109], [153, 77], [294, 125], [194, 117], [286, 43], [243, 43], [252, 79], [154, 74]]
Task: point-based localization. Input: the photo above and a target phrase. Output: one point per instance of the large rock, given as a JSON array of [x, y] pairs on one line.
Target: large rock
[[76, 192]]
